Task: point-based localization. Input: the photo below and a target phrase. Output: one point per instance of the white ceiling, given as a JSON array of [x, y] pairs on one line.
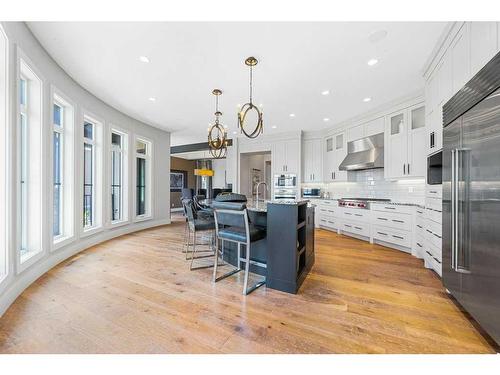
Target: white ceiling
[[297, 61]]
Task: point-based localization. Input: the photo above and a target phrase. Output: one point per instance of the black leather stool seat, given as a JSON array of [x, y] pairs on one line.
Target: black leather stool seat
[[239, 234], [203, 224]]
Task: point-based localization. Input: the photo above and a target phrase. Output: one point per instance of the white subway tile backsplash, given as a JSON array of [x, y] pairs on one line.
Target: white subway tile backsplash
[[371, 184]]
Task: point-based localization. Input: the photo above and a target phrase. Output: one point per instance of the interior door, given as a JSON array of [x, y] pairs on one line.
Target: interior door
[[479, 248], [451, 142]]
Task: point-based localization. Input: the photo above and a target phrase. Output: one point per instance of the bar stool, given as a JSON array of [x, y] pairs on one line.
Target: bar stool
[[238, 230], [196, 226]]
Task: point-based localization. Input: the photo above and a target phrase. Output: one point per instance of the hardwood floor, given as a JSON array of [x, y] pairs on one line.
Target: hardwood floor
[[135, 294]]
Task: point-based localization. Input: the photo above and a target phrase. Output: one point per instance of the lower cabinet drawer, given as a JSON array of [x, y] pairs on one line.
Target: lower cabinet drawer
[[328, 223], [420, 224], [363, 229], [392, 220], [400, 238], [420, 245], [355, 214], [327, 211], [435, 251], [436, 216]]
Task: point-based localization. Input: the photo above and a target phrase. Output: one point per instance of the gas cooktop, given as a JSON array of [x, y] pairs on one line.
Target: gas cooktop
[[359, 202]]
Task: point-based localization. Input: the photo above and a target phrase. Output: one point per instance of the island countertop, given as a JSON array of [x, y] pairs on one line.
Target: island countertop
[[261, 205]]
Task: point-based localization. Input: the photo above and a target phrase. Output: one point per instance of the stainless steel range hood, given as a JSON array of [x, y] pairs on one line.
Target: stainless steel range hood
[[364, 153]]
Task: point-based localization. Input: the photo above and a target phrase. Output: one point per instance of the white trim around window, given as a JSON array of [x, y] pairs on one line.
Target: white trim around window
[[118, 212], [30, 188], [91, 189], [4, 158], [145, 186], [64, 126]]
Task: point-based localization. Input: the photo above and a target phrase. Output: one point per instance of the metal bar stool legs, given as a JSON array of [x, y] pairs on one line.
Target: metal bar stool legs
[[193, 252], [216, 278]]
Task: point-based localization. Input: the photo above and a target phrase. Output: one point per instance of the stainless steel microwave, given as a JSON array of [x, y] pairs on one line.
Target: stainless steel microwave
[[435, 168]]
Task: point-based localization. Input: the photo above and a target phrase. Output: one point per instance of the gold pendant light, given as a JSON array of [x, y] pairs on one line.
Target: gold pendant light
[[247, 107], [217, 135]]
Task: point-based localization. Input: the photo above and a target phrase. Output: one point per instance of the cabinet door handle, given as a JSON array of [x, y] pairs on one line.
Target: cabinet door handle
[[382, 233], [358, 228], [408, 168], [334, 177], [390, 208], [419, 245], [437, 260], [382, 218], [398, 221], [429, 254], [347, 225], [419, 226], [347, 213], [436, 235], [404, 168], [399, 237], [359, 215], [427, 230]]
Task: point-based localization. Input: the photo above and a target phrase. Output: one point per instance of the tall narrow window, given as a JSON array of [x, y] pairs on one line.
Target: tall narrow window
[[143, 189], [4, 120], [62, 169], [23, 155], [118, 176], [88, 175], [29, 166], [58, 123]]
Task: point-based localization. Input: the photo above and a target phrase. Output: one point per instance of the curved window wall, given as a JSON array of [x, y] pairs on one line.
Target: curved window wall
[[65, 166]]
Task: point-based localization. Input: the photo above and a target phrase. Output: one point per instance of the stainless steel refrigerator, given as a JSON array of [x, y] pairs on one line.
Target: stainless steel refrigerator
[[471, 197]]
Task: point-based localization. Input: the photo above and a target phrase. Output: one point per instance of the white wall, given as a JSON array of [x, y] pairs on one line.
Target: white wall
[[20, 38], [219, 168]]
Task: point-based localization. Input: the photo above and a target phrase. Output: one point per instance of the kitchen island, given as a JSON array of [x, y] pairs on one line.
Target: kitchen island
[[288, 248]]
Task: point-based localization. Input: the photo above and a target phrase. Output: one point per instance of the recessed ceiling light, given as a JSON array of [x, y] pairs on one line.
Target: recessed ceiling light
[[152, 99], [366, 100], [372, 62], [377, 36], [143, 59], [261, 105], [235, 132], [238, 105], [326, 119], [292, 115], [274, 126], [325, 92]]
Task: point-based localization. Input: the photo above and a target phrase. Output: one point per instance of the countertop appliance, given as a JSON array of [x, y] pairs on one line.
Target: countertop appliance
[[285, 181], [471, 197], [363, 203], [311, 193], [364, 153], [435, 168]]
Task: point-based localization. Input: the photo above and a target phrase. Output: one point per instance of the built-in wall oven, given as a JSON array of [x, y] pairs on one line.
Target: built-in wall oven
[[435, 168], [285, 181]]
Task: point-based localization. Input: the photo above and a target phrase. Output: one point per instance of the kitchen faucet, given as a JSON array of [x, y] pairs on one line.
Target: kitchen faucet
[[257, 190]]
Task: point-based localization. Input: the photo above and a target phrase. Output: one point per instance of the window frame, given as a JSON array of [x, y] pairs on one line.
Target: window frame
[[36, 147], [125, 215], [59, 129], [67, 168], [148, 157], [97, 172], [5, 135]]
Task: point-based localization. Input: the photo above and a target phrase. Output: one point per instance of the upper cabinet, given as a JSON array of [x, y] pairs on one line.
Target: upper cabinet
[[312, 160], [468, 48], [483, 44], [335, 151], [286, 157], [404, 141]]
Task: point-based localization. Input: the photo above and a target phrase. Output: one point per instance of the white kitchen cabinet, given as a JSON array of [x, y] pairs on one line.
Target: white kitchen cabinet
[[335, 147], [286, 156], [312, 169], [356, 132], [460, 54], [406, 143], [373, 127], [483, 44]]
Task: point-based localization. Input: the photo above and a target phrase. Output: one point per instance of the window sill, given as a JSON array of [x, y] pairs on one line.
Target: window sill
[[142, 218], [27, 259], [91, 231], [61, 242], [116, 224]]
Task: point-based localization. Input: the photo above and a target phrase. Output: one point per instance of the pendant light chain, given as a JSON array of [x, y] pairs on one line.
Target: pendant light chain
[[251, 84]]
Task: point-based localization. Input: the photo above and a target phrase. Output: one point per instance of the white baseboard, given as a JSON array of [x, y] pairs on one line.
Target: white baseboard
[[18, 283]]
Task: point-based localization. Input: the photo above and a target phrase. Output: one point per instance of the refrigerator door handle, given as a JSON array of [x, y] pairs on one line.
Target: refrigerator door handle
[[459, 245]]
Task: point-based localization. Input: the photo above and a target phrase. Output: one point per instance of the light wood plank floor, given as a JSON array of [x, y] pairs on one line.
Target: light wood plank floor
[[135, 294]]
